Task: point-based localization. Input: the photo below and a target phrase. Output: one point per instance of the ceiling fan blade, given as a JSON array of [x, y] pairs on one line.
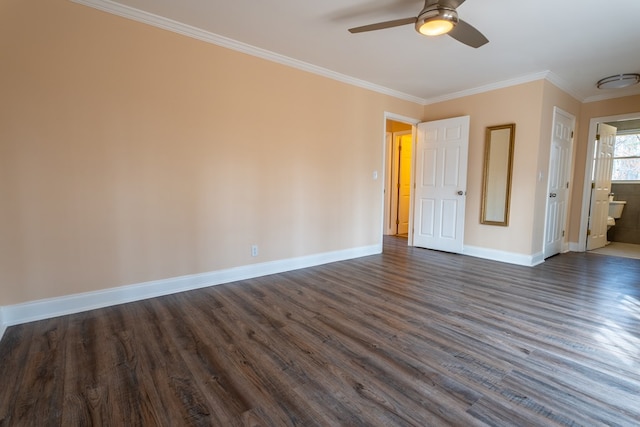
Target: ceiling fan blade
[[453, 3], [383, 25], [467, 34]]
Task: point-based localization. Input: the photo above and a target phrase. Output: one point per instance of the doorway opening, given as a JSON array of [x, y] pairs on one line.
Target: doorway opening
[[400, 182], [437, 184], [398, 164], [591, 169]]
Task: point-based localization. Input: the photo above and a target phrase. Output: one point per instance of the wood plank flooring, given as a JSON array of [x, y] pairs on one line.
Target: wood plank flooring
[[408, 338]]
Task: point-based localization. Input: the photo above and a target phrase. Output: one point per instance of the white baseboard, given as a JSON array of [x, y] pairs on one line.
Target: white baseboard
[[502, 256], [575, 247], [52, 307]]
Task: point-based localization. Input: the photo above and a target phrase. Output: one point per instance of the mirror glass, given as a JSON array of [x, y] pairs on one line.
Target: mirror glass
[[498, 159]]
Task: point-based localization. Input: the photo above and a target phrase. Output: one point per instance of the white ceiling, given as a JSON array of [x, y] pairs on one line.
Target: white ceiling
[[573, 43]]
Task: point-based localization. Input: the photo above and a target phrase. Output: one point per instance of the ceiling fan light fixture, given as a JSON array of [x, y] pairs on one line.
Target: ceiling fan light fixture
[[437, 21], [619, 81]]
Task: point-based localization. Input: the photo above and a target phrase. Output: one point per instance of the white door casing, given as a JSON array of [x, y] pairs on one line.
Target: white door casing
[[389, 192], [440, 184], [404, 183], [599, 209], [558, 187], [587, 179]]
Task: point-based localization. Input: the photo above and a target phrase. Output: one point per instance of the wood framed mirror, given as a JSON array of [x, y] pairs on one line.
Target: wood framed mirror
[[496, 182]]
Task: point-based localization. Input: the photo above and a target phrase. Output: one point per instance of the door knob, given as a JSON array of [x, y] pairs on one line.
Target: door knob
[[552, 194], [460, 193]]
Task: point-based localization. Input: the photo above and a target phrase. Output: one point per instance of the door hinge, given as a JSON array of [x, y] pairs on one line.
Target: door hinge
[[567, 185], [397, 222], [588, 232], [571, 134], [598, 137], [562, 233], [593, 185]]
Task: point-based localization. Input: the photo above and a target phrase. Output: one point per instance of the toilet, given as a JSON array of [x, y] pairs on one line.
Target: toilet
[[615, 212], [610, 222]]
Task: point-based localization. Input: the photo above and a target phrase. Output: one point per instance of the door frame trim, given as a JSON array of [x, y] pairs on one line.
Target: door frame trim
[[385, 159], [395, 163], [588, 171]]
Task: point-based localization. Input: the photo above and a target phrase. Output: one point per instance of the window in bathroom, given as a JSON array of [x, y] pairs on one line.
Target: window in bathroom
[[626, 157]]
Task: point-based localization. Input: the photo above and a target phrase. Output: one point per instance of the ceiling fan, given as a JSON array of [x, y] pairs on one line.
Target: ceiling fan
[[436, 17]]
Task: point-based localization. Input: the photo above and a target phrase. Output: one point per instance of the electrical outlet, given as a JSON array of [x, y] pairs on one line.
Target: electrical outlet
[[254, 250]]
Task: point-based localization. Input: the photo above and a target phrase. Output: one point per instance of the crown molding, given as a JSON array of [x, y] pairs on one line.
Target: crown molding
[[609, 94], [138, 15], [488, 88], [218, 40], [541, 75], [564, 85], [612, 95]]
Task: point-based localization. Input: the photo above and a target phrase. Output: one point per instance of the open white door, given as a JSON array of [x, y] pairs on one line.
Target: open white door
[[558, 188], [601, 187], [441, 179]]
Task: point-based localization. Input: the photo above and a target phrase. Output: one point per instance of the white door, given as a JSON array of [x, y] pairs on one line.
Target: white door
[[441, 180], [601, 186], [558, 188], [404, 183]]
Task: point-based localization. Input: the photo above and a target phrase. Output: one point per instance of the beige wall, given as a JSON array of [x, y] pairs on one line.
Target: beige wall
[[590, 110], [129, 153], [530, 107]]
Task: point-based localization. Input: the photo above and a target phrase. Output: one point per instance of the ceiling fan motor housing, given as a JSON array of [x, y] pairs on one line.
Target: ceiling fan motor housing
[[436, 13]]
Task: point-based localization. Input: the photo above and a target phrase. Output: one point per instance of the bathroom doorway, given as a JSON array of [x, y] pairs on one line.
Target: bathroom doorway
[[623, 235]]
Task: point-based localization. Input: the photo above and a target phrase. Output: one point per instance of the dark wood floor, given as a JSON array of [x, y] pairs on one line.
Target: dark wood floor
[[411, 337]]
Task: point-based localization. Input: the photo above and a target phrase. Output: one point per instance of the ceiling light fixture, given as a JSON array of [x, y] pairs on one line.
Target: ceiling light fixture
[[618, 81], [437, 21]]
